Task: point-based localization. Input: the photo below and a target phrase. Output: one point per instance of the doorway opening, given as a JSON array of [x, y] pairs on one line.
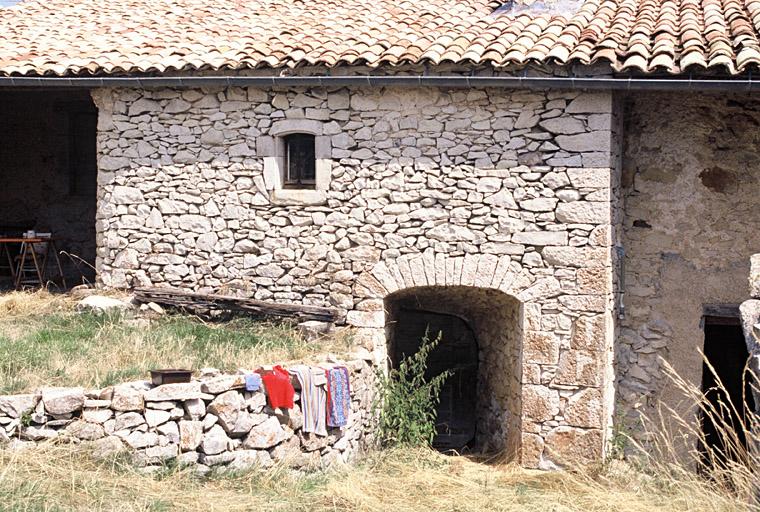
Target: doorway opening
[[456, 422], [727, 390], [481, 335], [48, 164]]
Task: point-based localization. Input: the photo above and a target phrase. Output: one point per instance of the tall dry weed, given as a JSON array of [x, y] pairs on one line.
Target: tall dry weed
[[723, 467]]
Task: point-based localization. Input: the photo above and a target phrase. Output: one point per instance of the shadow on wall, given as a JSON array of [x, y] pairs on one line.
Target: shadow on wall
[[481, 333], [48, 162]]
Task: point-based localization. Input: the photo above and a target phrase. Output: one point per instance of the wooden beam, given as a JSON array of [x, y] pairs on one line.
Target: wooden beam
[[206, 301], [724, 310]]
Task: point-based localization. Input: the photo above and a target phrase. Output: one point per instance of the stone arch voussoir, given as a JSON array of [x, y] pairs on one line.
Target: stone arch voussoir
[[430, 269]]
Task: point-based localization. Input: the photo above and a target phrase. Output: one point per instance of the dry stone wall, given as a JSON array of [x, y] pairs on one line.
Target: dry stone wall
[[211, 422], [486, 188], [183, 199]]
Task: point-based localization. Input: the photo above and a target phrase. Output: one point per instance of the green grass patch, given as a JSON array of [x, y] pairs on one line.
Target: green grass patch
[[67, 348]]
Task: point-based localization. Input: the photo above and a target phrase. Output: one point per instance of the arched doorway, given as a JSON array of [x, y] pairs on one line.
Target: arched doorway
[[480, 332], [457, 351]]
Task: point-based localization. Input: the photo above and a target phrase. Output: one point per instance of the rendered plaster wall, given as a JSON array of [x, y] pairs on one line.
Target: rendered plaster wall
[[691, 177], [509, 190], [34, 164]]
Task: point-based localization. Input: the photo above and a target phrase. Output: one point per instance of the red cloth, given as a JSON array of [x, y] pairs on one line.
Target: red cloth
[[279, 389]]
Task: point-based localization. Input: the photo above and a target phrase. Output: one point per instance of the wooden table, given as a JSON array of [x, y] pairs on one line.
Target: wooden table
[[26, 254]]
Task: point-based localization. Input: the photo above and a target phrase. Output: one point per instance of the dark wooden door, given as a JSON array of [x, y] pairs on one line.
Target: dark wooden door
[[458, 351]]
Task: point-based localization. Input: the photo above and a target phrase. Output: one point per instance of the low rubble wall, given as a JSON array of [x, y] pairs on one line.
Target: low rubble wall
[[211, 421]]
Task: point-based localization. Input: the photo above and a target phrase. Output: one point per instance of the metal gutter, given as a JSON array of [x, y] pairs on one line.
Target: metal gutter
[[747, 84]]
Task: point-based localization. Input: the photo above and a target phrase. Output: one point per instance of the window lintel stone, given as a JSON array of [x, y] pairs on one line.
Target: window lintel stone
[[288, 126]]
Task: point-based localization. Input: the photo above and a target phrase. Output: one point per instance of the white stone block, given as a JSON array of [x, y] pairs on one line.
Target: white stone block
[[540, 238], [584, 212]]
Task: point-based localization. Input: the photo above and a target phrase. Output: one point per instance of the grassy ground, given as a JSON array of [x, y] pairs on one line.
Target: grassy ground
[[44, 341], [57, 479]]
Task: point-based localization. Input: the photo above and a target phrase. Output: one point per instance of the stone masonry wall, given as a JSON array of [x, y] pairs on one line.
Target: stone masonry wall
[[211, 422], [489, 188], [691, 177]]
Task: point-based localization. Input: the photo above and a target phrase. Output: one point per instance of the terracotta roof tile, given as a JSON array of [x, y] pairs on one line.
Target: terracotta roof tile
[[71, 37]]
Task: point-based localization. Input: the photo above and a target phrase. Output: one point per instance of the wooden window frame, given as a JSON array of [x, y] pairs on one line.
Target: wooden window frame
[[300, 163]]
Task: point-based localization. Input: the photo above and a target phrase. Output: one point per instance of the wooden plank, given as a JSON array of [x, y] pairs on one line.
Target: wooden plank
[[194, 301], [724, 310], [720, 314]]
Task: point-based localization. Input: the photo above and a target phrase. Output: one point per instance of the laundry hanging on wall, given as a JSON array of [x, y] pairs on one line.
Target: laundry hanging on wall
[[252, 382], [338, 396], [279, 390], [325, 393], [313, 398]]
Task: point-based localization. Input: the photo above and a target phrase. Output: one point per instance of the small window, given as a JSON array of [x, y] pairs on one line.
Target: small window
[[300, 161], [297, 162]]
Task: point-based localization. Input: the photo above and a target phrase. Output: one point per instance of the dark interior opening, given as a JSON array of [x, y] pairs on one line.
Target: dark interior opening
[[726, 350], [481, 406], [48, 163], [456, 423]]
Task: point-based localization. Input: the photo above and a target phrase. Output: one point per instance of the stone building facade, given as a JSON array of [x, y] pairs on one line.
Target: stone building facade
[[504, 194], [600, 224]]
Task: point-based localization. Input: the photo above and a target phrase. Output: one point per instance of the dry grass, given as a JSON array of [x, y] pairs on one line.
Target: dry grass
[[57, 478], [14, 305], [44, 342], [419, 481], [678, 451]]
